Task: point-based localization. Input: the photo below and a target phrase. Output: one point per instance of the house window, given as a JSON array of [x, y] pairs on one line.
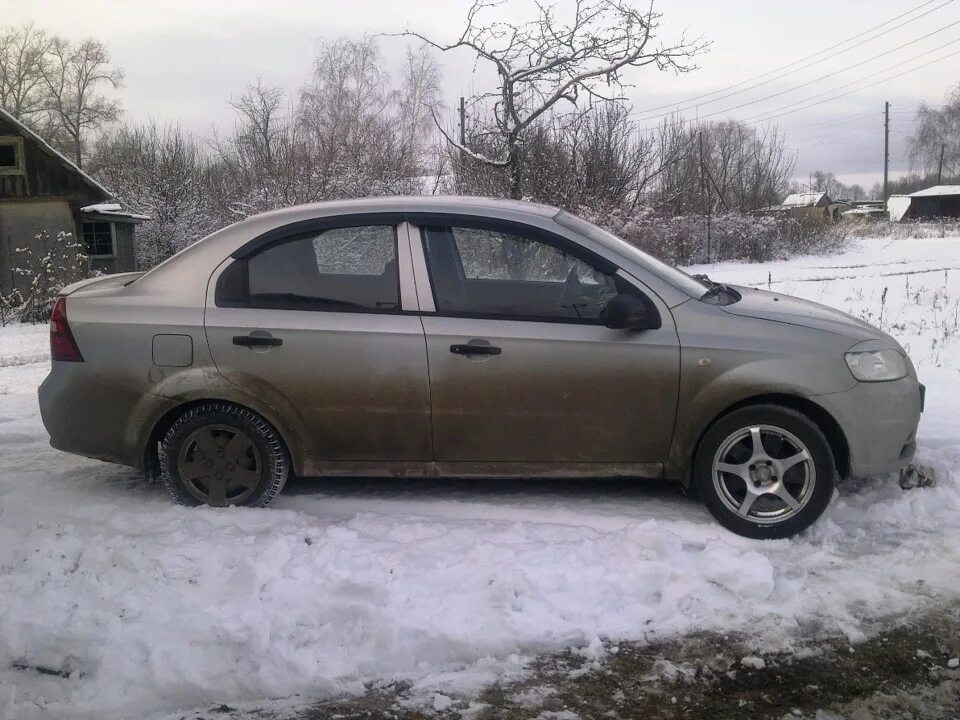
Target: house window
[[11, 155], [98, 239]]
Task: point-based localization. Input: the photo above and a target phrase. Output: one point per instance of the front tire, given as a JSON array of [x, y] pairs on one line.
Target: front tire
[[765, 471], [221, 454]]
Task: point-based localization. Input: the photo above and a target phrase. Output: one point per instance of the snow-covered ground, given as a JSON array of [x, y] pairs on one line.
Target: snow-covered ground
[[146, 608]]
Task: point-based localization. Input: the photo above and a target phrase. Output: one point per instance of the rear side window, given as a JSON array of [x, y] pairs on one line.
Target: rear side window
[[345, 269]]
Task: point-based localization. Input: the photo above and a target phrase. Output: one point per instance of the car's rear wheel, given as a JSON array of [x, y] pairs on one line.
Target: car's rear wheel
[[220, 454], [765, 471]]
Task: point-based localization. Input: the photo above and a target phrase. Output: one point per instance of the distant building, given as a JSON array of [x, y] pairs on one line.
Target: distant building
[[865, 211], [43, 191], [810, 205], [939, 201]]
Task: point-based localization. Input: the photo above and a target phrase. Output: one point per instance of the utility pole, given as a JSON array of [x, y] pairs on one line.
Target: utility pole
[[463, 122], [886, 148], [943, 146], [703, 185]]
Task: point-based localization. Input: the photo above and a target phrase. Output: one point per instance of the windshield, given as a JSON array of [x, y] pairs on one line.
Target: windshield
[[679, 279]]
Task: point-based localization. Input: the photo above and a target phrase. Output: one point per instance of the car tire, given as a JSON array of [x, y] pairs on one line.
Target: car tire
[[772, 492], [221, 454]]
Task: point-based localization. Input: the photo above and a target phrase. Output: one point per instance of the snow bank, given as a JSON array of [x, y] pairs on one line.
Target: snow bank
[[145, 607]]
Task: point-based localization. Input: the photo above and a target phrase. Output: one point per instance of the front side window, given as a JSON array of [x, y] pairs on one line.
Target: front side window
[[506, 274], [98, 239], [673, 276], [353, 268]]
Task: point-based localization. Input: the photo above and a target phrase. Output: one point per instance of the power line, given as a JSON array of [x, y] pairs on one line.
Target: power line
[[828, 75], [690, 102], [792, 107], [825, 140], [761, 118], [830, 123], [850, 92], [850, 125]]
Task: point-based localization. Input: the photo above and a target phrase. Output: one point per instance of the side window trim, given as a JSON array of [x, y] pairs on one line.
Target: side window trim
[[233, 284], [423, 284]]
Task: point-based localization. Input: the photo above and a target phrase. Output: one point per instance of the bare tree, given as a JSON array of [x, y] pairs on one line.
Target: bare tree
[[260, 107], [75, 76], [263, 164], [822, 181], [353, 132], [547, 61], [365, 136], [342, 110], [595, 158], [415, 100], [720, 166], [937, 138], [23, 58]]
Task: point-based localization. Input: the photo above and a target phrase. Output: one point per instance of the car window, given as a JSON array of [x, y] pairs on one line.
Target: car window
[[353, 268], [677, 278], [497, 273]]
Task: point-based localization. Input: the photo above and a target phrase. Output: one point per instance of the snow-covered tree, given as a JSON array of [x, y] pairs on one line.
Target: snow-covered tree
[[161, 171]]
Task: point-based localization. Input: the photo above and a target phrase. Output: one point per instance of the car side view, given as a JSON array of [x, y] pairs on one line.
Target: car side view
[[450, 336]]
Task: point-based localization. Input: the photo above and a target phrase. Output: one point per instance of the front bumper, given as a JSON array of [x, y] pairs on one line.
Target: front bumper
[[880, 422]]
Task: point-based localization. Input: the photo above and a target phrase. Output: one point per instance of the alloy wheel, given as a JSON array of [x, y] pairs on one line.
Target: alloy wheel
[[764, 474]]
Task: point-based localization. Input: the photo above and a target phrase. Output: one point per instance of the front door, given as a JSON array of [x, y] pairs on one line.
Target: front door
[[315, 326], [522, 369]]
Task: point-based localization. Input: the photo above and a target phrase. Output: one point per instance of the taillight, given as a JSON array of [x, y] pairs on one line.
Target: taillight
[[62, 345]]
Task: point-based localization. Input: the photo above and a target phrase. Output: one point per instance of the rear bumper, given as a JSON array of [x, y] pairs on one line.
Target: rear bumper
[[880, 422], [86, 417]]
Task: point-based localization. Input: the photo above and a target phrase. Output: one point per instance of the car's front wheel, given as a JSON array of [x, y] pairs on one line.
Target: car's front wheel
[[765, 471], [221, 454]]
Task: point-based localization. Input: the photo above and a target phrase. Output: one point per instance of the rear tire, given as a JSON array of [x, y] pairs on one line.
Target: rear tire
[[765, 471], [221, 454]]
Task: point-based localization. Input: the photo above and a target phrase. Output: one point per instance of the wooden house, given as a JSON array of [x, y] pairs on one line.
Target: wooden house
[[42, 192]]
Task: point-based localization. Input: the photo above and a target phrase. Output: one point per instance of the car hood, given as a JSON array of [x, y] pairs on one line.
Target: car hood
[[786, 309]]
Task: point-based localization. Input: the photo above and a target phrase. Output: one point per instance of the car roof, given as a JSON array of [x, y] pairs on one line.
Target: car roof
[[465, 204]]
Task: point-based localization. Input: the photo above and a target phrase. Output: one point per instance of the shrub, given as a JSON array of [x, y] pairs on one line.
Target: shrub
[[683, 239], [911, 229], [41, 272]]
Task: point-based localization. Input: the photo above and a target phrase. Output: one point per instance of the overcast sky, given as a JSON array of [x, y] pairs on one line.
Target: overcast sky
[[184, 58]]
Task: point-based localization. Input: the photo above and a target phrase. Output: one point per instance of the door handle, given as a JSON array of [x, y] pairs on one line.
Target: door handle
[[475, 350], [257, 340]]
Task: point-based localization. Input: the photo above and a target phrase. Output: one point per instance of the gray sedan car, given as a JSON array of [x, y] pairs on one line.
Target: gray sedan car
[[445, 336]]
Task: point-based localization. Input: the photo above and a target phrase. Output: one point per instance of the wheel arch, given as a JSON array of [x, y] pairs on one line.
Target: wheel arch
[[828, 425], [169, 417]]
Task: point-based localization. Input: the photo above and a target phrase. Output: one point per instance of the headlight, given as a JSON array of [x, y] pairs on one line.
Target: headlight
[[877, 366]]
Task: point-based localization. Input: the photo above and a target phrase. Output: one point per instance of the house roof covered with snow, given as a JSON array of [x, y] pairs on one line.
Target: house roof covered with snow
[[807, 199], [113, 211], [937, 190], [56, 154]]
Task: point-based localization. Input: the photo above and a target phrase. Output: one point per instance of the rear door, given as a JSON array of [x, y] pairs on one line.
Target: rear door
[[522, 369], [317, 325]]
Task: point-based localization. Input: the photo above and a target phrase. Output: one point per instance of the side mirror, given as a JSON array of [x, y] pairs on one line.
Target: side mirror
[[628, 312]]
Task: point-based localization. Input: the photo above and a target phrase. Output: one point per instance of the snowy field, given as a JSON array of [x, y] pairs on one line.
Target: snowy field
[[145, 608]]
